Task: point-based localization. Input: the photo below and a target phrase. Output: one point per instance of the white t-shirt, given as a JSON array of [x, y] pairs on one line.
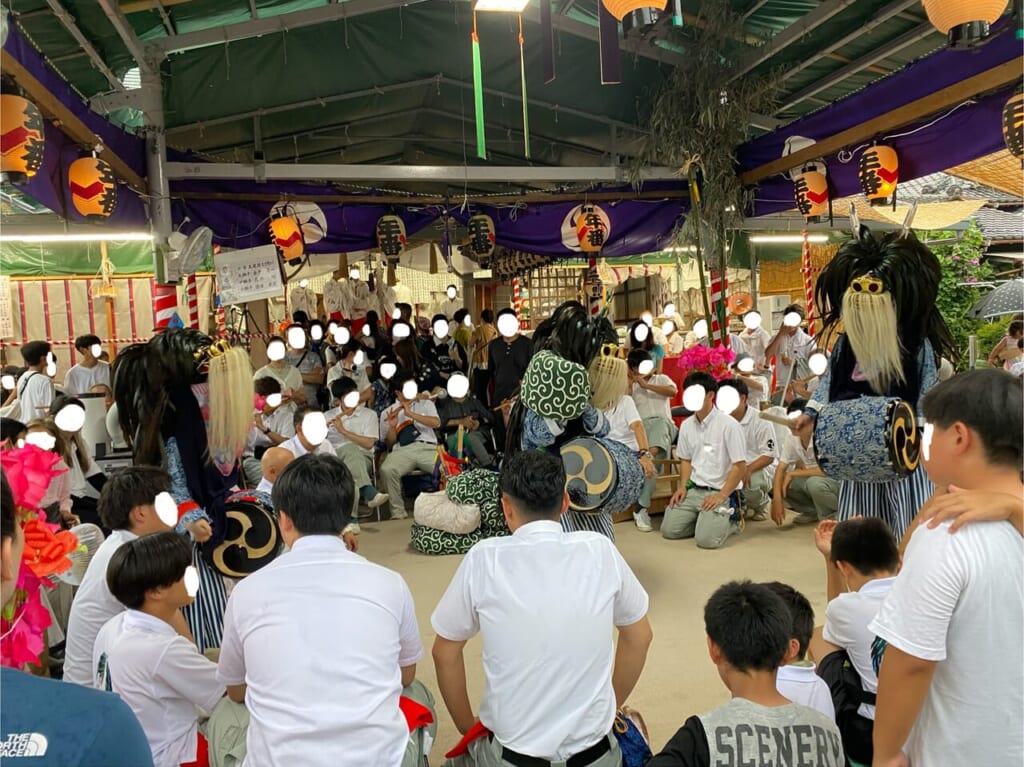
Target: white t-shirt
[[798, 346], [162, 677], [754, 342], [801, 684], [760, 439], [280, 421], [651, 405], [619, 419], [92, 607], [846, 625], [357, 374], [423, 407], [296, 448], [363, 422], [78, 475], [80, 379], [319, 635], [712, 447], [959, 601], [548, 645], [795, 455], [288, 376], [35, 393]]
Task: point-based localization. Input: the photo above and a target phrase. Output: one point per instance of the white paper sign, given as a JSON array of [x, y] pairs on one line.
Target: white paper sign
[[6, 320], [248, 275]]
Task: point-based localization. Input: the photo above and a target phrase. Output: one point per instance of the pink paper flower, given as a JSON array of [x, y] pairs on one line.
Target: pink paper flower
[[29, 472]]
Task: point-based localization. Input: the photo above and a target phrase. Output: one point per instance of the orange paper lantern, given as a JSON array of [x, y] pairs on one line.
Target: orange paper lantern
[[879, 172], [93, 187], [811, 188], [1013, 125], [619, 8], [287, 236], [965, 22], [21, 139]]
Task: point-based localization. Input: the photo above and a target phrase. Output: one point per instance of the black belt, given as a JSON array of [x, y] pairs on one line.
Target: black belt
[[582, 759], [706, 489]]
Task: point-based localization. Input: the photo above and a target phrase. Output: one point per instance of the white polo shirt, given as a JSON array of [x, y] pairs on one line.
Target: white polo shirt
[[798, 346], [795, 455], [754, 342], [363, 422], [545, 602], [651, 405], [846, 625], [711, 447], [424, 407], [321, 657], [280, 421], [80, 379], [801, 684], [296, 448], [620, 418], [162, 677], [760, 438], [91, 608]]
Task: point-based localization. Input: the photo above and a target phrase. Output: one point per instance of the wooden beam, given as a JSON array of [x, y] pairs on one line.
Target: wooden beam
[[377, 199], [66, 120], [134, 6], [993, 78]]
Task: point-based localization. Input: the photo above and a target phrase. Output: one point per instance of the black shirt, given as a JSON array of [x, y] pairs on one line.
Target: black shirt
[[687, 748], [508, 363]]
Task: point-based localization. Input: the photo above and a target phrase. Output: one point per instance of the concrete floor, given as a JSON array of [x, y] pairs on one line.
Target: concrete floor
[[678, 679]]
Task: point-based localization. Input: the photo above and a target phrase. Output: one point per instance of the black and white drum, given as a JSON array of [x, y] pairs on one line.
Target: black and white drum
[[870, 439], [601, 476], [251, 539]]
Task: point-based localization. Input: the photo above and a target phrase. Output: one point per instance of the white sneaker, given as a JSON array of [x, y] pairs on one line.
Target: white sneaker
[[398, 514], [378, 500], [642, 520]]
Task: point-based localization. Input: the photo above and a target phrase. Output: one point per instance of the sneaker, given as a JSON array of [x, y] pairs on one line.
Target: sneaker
[[642, 520], [805, 519], [378, 500], [398, 514], [760, 514]]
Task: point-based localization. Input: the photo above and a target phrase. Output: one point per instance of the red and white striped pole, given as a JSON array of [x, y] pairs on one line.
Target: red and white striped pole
[[192, 292], [517, 300], [805, 268], [165, 305], [719, 286]]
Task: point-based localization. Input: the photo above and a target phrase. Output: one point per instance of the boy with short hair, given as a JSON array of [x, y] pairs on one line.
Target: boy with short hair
[[127, 508], [861, 561], [138, 654], [797, 679], [951, 679], [748, 628]]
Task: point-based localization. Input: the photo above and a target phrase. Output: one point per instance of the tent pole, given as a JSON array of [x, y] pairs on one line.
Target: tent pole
[[108, 302]]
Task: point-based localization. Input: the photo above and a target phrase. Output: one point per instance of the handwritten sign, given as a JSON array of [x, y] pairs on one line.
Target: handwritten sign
[[6, 319], [248, 275]]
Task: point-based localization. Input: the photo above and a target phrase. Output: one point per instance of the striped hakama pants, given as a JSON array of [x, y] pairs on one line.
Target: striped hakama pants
[[896, 502]]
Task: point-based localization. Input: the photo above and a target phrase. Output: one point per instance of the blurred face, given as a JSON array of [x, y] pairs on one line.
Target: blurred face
[[183, 592], [940, 451]]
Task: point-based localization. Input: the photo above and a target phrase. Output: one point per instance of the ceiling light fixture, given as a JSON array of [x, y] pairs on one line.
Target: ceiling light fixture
[[780, 239], [82, 237], [502, 6]]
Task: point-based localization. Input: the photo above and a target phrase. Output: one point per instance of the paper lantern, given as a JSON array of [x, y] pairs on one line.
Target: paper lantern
[[811, 190], [879, 172], [620, 8], [21, 139], [391, 236], [287, 236], [590, 230], [93, 187], [1013, 125], [965, 22], [481, 236]]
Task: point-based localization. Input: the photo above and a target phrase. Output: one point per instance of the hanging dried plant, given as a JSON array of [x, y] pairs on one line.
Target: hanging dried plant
[[701, 114]]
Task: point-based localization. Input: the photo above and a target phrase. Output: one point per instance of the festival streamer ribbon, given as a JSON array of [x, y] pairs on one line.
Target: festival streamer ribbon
[[478, 95], [526, 107]]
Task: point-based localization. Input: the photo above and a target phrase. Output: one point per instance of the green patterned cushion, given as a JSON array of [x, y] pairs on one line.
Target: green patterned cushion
[[480, 487], [555, 388], [427, 540]]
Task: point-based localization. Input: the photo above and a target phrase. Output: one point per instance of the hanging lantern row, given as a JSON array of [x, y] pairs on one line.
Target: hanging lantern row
[[878, 172], [286, 235], [1013, 126], [966, 23], [21, 139]]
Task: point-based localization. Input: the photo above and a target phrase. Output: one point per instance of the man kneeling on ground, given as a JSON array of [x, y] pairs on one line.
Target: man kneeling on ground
[[544, 602]]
